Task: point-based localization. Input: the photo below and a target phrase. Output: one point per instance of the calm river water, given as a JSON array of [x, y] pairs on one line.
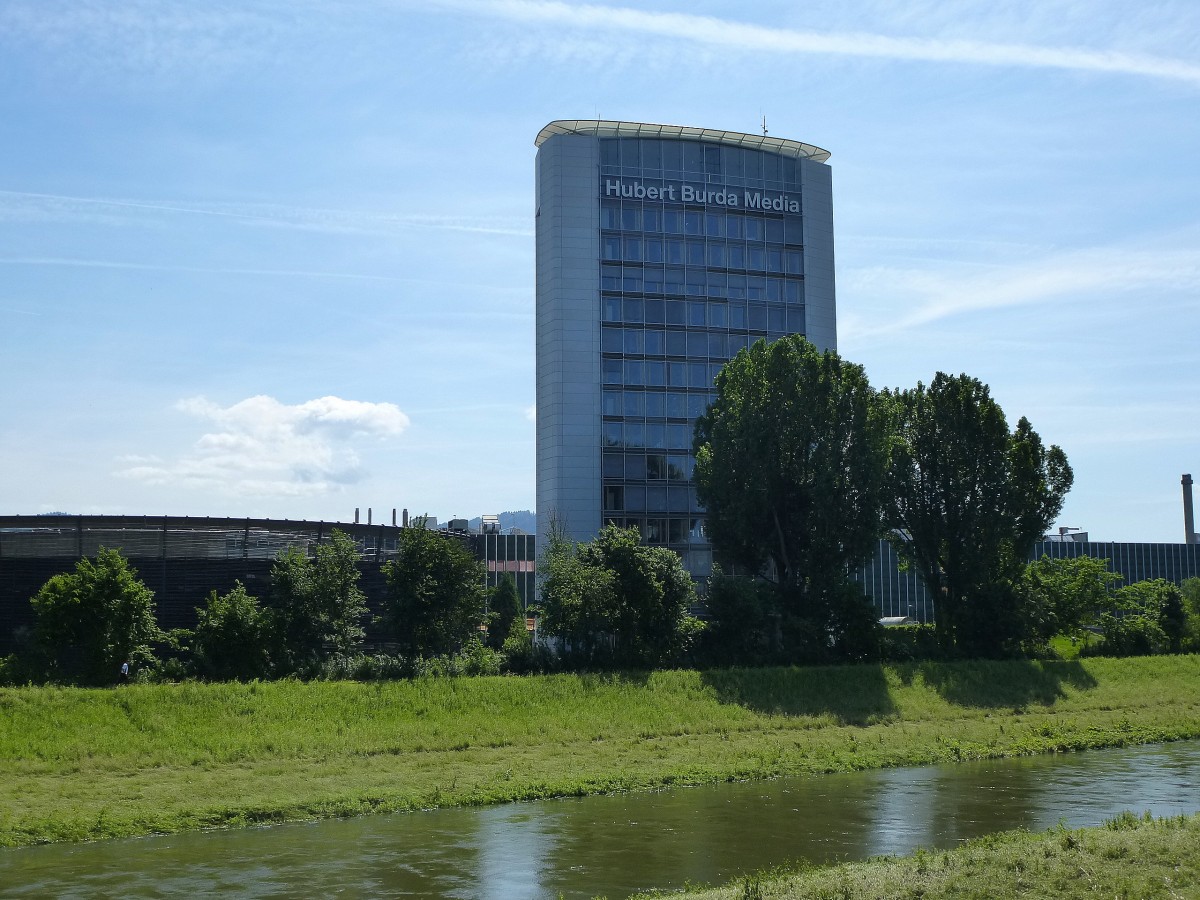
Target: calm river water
[[616, 845]]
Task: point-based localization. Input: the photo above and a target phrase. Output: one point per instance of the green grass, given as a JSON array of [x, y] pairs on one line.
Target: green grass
[[80, 764], [1127, 858]]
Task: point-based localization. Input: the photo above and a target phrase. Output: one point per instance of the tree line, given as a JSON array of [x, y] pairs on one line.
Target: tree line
[[437, 615]]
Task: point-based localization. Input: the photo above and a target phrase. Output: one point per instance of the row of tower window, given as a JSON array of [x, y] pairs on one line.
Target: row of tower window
[[649, 217], [696, 281], [734, 165]]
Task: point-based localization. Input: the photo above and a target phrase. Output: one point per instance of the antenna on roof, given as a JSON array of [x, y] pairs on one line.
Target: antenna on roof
[[764, 125]]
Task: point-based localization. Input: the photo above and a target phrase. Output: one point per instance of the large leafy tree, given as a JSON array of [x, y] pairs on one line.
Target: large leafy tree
[[504, 608], [1064, 596], [615, 601], [790, 464], [92, 620], [435, 593], [233, 636], [319, 608], [968, 499]]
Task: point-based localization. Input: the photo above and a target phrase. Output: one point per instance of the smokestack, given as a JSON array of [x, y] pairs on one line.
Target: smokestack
[[368, 515], [356, 515], [1189, 523], [393, 517], [404, 520]]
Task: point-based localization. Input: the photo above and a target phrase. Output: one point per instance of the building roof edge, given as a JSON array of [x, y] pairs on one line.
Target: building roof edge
[[608, 128]]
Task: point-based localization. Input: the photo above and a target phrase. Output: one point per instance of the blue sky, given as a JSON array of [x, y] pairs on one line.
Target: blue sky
[[276, 258]]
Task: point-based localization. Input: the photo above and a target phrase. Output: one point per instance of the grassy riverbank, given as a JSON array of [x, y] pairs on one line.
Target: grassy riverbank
[[79, 764], [1129, 857]]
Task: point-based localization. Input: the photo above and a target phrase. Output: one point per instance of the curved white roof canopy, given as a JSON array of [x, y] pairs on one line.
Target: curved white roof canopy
[[603, 128]]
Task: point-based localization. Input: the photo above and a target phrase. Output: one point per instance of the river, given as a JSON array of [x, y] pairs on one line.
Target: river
[[616, 845]]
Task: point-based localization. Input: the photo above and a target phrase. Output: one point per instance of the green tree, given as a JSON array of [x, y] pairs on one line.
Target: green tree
[[318, 606], [91, 621], [504, 608], [968, 499], [435, 593], [790, 463], [1190, 592], [615, 601], [1064, 596], [1143, 618], [233, 637]]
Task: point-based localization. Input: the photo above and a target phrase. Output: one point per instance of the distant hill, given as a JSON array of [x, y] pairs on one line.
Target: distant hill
[[522, 518]]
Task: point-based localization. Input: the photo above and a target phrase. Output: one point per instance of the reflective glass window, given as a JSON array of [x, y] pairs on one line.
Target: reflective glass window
[[712, 159], [793, 262], [776, 320], [697, 344], [735, 255], [756, 287], [674, 282], [654, 250], [676, 312], [774, 289], [632, 310], [793, 230], [672, 156], [651, 150], [676, 403], [610, 340], [629, 153], [795, 319], [633, 249], [612, 309], [677, 373], [614, 465], [656, 466], [675, 253], [635, 434], [737, 285], [653, 279], [754, 228], [697, 375], [774, 231], [679, 437], [676, 343], [614, 498], [656, 406], [716, 345], [631, 280], [656, 436], [656, 501], [753, 162], [611, 370], [758, 317], [756, 257], [633, 342], [697, 404], [631, 215], [610, 247], [675, 529], [635, 466], [718, 315], [635, 498], [612, 403], [716, 254], [717, 284], [714, 224], [693, 222], [633, 404], [696, 282], [655, 376], [737, 315], [774, 260], [610, 278], [695, 253], [673, 221], [614, 435], [697, 311], [634, 374], [610, 214], [652, 219], [793, 291], [654, 311], [654, 341], [693, 157], [735, 225]]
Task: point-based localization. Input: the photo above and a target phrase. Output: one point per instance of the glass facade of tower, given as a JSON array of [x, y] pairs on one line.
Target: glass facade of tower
[[700, 250]]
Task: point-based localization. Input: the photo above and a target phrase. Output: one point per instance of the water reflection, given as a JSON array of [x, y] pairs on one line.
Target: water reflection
[[620, 844]]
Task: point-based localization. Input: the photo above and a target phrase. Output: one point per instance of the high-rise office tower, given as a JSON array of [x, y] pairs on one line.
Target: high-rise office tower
[[662, 250]]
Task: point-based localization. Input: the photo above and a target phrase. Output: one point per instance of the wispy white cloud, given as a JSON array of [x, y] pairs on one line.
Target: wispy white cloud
[[27, 206], [932, 294], [711, 31], [262, 447]]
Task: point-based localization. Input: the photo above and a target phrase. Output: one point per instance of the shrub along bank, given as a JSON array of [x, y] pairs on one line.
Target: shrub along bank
[[80, 764]]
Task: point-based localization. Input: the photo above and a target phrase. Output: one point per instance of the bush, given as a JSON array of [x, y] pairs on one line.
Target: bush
[[232, 637], [910, 643]]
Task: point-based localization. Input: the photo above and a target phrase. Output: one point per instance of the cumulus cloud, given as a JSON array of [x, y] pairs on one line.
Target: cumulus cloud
[[262, 447]]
